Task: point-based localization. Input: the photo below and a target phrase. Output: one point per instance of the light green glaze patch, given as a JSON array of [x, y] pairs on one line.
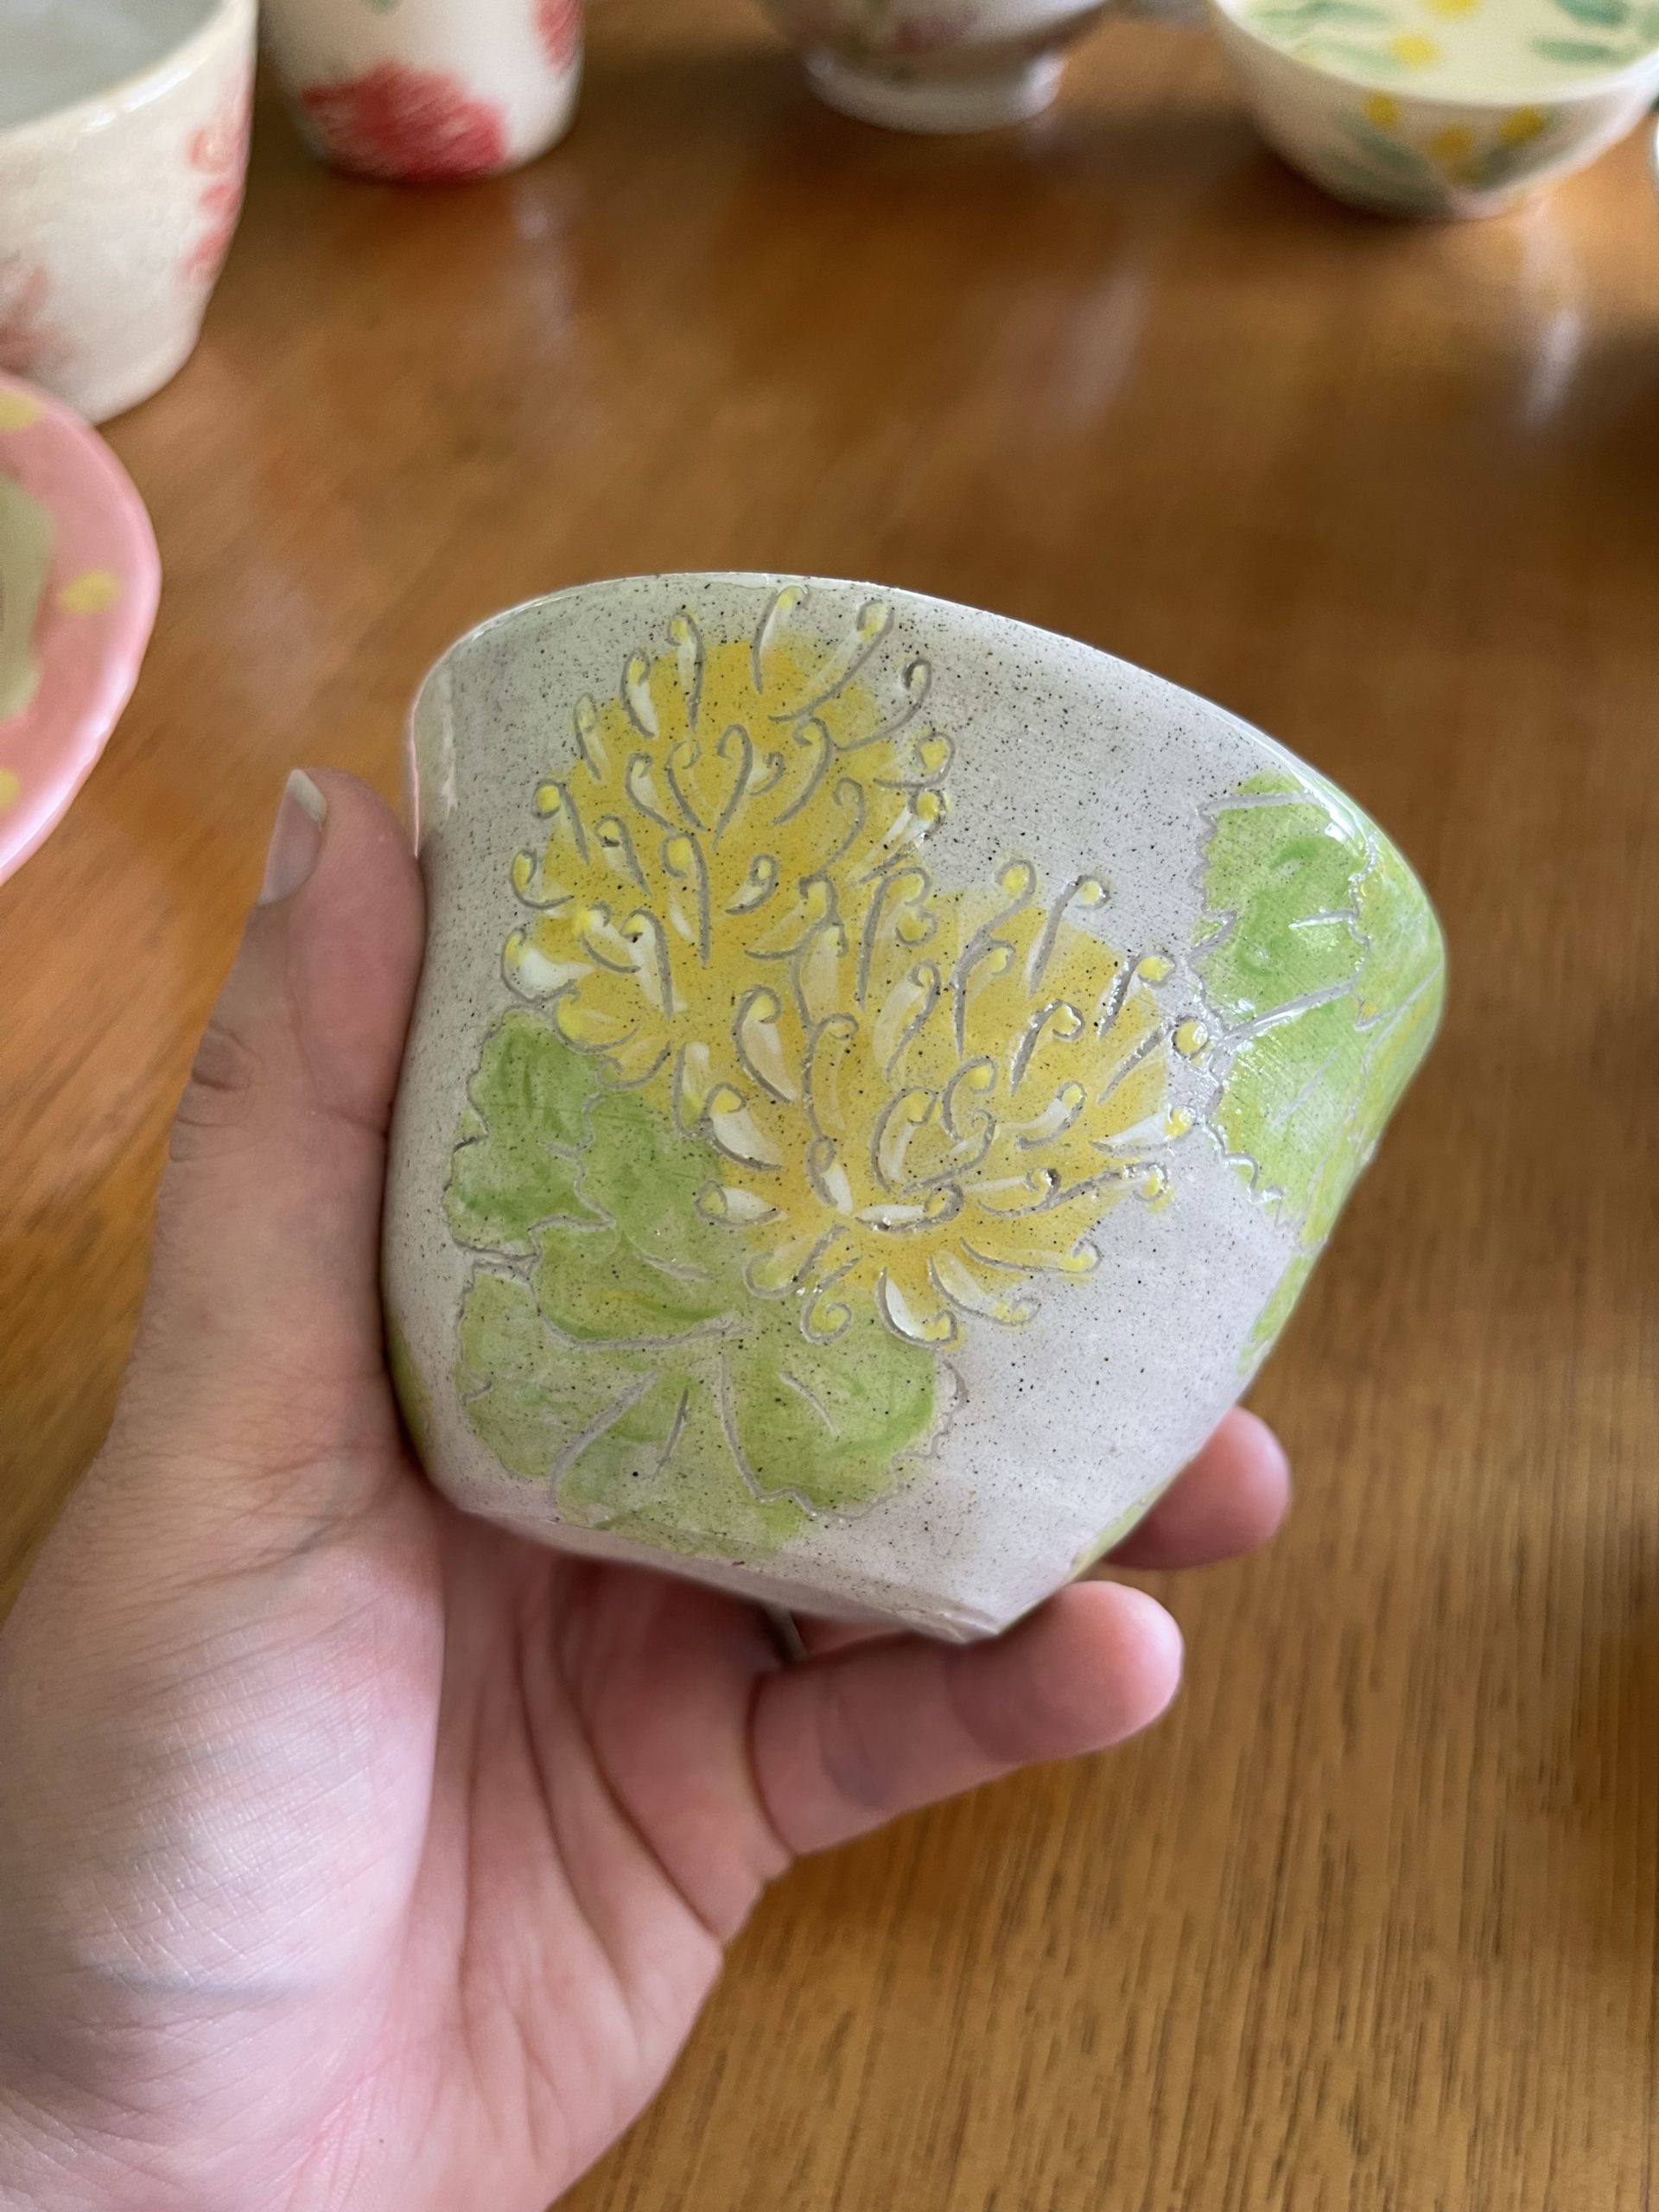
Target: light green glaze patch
[[1110, 1536], [829, 1420], [650, 1265], [520, 1141], [623, 1360], [631, 1439], [1324, 969]]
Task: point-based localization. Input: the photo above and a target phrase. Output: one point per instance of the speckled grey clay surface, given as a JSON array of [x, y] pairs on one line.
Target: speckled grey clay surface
[[880, 1077]]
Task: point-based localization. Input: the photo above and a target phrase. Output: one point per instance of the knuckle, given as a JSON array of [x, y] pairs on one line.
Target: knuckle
[[856, 1762], [226, 1080]]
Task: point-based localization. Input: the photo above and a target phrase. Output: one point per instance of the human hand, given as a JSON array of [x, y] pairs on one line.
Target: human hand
[[354, 1852]]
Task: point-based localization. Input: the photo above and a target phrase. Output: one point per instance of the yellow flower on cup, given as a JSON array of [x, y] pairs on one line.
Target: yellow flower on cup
[[920, 1098]]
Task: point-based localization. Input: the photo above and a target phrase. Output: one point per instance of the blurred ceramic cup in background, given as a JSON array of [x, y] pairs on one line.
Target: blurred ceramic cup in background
[[429, 91], [935, 65], [882, 1075], [124, 144], [1442, 107], [941, 65]]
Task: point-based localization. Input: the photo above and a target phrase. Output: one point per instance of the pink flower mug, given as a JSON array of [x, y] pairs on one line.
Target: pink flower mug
[[429, 91], [124, 144]]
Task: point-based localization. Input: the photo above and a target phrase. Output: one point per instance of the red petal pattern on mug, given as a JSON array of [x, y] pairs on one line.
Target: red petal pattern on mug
[[421, 125], [558, 25], [28, 345], [219, 151]]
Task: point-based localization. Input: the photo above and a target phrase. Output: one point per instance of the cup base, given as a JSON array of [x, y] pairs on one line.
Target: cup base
[[1399, 204], [940, 104], [374, 161], [99, 393]]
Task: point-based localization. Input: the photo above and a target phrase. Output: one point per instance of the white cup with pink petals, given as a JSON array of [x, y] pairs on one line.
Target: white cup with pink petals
[[123, 144], [428, 92]]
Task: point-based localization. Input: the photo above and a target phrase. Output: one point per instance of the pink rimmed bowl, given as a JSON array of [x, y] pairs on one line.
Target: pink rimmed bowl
[[80, 578]]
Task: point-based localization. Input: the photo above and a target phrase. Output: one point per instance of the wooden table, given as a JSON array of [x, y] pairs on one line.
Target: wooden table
[[1370, 1924]]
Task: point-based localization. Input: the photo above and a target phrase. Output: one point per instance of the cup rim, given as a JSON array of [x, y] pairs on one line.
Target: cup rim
[[135, 90], [1274, 749], [637, 577], [1643, 71]]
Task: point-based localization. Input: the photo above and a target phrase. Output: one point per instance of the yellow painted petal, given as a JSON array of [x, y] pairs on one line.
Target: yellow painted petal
[[737, 1133], [90, 592], [832, 1182], [1522, 125], [18, 409], [533, 970], [12, 786], [970, 1294], [588, 1029], [911, 1317], [1415, 49], [730, 1202], [773, 1271], [1383, 110]]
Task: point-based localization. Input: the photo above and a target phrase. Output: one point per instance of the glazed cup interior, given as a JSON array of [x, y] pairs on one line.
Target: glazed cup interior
[[63, 54], [1495, 54]]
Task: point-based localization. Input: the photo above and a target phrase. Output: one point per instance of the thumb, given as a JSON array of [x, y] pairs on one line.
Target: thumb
[[260, 1346]]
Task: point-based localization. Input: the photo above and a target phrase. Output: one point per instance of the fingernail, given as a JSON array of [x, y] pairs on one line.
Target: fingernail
[[296, 841]]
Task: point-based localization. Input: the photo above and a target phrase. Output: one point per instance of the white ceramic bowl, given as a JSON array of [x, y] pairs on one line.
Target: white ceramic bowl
[[881, 1077], [123, 141], [1442, 107], [428, 92], [947, 66]]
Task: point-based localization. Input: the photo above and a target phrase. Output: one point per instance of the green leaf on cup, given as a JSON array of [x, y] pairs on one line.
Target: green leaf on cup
[[828, 1420], [1604, 15], [1324, 971], [519, 1151], [1580, 53], [612, 1348]]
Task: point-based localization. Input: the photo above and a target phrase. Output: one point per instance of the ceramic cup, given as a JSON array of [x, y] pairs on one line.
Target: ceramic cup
[[1442, 107], [932, 66], [429, 91], [124, 139], [881, 1077], [942, 66]]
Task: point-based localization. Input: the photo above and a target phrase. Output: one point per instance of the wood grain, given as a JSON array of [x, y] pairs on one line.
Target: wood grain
[[1369, 1925]]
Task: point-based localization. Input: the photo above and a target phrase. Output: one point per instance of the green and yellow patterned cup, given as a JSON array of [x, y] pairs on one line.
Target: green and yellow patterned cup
[[881, 1077], [1442, 107]]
